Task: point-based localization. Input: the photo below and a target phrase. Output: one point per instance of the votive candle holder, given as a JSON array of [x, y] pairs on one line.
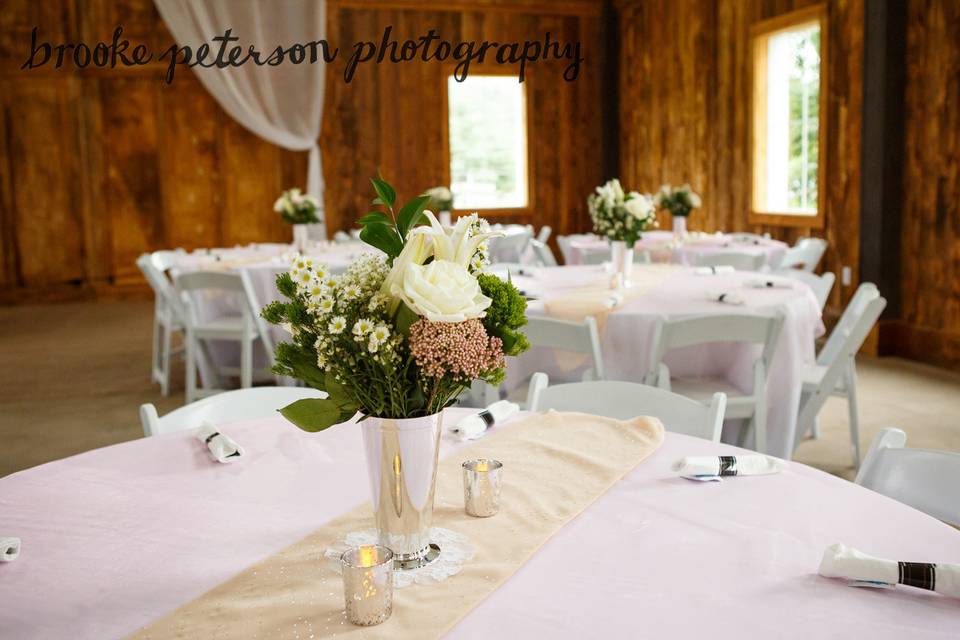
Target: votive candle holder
[[481, 487], [367, 584]]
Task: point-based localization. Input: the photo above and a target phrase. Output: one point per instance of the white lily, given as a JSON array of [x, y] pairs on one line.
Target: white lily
[[458, 245], [415, 251]]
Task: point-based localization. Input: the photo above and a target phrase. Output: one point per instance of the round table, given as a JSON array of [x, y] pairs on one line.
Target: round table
[[663, 246], [627, 339], [115, 538]]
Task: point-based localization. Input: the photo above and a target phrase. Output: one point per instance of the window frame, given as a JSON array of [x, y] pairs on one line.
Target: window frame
[[498, 214], [760, 33]]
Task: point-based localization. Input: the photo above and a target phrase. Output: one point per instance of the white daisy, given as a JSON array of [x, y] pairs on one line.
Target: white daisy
[[362, 327], [325, 305], [381, 333], [337, 324], [351, 292]]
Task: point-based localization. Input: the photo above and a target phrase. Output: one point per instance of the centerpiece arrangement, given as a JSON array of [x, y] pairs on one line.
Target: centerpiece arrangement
[[441, 201], [621, 217], [298, 209], [680, 202], [396, 339]]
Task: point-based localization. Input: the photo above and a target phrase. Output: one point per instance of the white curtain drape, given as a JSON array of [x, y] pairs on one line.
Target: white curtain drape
[[283, 103]]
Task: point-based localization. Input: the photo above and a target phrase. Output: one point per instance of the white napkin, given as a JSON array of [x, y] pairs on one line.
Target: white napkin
[[713, 271], [9, 548], [222, 448], [768, 283], [474, 426], [841, 561], [713, 467], [726, 297]]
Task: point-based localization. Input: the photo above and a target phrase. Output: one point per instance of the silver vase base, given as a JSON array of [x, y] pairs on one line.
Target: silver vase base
[[417, 560]]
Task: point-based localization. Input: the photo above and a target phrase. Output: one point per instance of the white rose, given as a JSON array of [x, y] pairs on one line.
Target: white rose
[[442, 291], [695, 200], [639, 207]]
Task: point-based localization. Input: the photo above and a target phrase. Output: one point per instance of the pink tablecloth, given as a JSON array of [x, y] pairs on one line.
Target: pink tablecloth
[[627, 341], [115, 538], [663, 247]]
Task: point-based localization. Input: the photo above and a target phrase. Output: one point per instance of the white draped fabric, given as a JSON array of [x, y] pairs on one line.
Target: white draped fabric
[[282, 103]]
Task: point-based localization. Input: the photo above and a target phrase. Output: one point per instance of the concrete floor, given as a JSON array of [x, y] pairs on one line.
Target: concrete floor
[[72, 377]]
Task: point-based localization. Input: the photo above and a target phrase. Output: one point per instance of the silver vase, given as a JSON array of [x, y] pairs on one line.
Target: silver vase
[[402, 457]]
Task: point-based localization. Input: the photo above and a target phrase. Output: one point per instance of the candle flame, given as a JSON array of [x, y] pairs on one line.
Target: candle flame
[[483, 466], [368, 556]]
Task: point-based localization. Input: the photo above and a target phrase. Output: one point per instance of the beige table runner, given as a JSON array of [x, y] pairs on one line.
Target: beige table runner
[[555, 466]]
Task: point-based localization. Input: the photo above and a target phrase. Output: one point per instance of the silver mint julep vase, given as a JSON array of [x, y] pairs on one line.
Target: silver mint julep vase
[[402, 457]]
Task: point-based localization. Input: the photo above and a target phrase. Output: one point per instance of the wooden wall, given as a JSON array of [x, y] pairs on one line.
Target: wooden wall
[[684, 112], [929, 326], [98, 166]]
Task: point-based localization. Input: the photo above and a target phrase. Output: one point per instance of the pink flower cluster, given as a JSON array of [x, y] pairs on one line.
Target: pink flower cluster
[[459, 349]]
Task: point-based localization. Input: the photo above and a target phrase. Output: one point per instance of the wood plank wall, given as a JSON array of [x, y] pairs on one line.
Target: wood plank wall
[[684, 113], [929, 326], [98, 166]]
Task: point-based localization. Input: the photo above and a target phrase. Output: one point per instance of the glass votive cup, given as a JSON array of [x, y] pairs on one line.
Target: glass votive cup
[[367, 584], [481, 487]]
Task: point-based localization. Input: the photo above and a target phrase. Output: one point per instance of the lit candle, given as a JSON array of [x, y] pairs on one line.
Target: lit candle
[[367, 584], [481, 487]]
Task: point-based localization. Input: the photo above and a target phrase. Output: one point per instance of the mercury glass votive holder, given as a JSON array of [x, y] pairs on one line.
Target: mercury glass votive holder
[[481, 487], [367, 584]]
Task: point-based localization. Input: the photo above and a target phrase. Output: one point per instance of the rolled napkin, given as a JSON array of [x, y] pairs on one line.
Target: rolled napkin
[[841, 561], [712, 271], [726, 297], [713, 467], [221, 447], [475, 425], [9, 548], [768, 283]]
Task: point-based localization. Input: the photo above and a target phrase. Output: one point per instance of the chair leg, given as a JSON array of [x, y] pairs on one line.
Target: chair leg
[[853, 413], [191, 364], [246, 364], [759, 422], [165, 362], [815, 430], [154, 360]]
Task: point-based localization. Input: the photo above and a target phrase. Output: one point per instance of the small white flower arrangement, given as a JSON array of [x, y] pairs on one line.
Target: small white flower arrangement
[[679, 201], [441, 198], [297, 208], [621, 216]]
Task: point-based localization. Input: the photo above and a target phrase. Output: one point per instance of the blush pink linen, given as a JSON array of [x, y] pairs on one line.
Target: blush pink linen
[[117, 537]]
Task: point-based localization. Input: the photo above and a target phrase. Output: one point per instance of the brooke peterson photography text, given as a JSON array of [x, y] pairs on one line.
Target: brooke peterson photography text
[[227, 52]]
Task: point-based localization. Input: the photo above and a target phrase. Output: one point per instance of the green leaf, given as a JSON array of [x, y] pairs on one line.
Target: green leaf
[[338, 394], [375, 216], [312, 414], [410, 214], [301, 364], [405, 318], [384, 191], [383, 237]]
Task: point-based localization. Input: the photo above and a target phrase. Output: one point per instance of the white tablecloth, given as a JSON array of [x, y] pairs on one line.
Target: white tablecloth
[[117, 537], [627, 341], [664, 247]]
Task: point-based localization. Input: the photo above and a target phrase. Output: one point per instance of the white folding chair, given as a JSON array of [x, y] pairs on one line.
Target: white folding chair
[[739, 261], [511, 247], [544, 233], [625, 400], [761, 330], [820, 285], [167, 313], [924, 479], [230, 406], [835, 372], [605, 255], [573, 337], [566, 250], [241, 328], [542, 254], [805, 255]]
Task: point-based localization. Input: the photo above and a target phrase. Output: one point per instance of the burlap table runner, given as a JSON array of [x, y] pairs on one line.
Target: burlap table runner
[[555, 466]]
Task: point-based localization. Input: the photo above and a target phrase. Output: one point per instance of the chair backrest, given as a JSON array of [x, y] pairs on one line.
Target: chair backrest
[[625, 400], [925, 480], [805, 255], [164, 291], [820, 285], [341, 237], [739, 261], [230, 406], [685, 332], [597, 256], [197, 281], [544, 233], [852, 316], [510, 248], [542, 253], [565, 335], [165, 260], [565, 247]]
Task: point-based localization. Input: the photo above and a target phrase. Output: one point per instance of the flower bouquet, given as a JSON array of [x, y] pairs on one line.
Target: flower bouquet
[[397, 338], [621, 217], [680, 202], [299, 210]]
